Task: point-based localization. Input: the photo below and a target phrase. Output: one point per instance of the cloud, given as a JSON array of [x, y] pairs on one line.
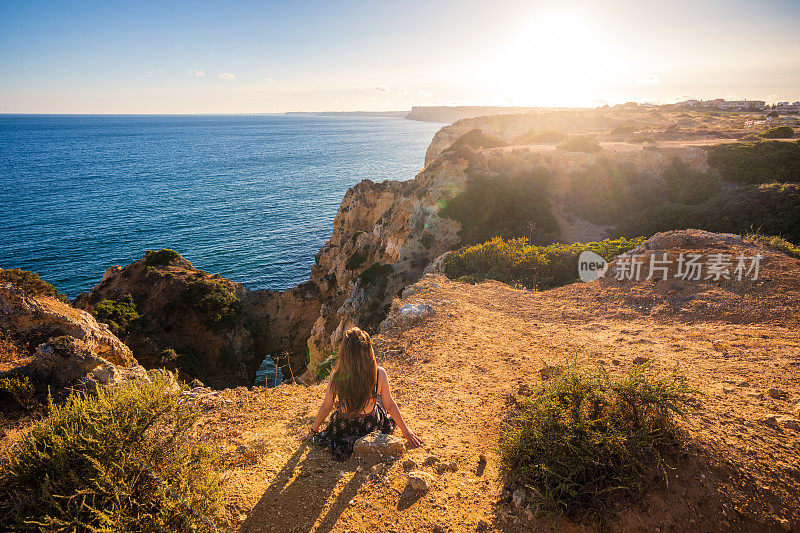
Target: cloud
[[227, 76], [423, 94], [650, 79], [383, 89], [196, 73], [270, 80]]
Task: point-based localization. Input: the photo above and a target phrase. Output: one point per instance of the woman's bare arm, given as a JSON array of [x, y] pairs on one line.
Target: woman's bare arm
[[322, 414], [393, 410]]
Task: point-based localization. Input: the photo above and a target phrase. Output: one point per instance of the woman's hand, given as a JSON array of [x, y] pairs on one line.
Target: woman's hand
[[308, 436], [413, 440]]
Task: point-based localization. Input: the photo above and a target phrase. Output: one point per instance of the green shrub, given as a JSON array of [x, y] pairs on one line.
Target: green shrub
[[30, 283], [18, 389], [781, 132], [475, 139], [536, 267], [775, 242], [550, 136], [324, 368], [168, 357], [376, 275], [9, 351], [188, 363], [580, 143], [757, 162], [161, 257], [687, 186], [117, 460], [583, 439], [772, 207], [641, 139], [355, 260], [120, 315], [607, 191], [505, 205], [625, 128], [219, 304]]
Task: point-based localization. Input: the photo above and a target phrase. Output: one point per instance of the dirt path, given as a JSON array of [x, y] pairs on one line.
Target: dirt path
[[456, 374]]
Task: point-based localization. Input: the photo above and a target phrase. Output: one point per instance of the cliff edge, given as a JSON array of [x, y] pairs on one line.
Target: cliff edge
[[469, 353]]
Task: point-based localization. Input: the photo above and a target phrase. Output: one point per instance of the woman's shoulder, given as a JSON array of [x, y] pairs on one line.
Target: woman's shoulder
[[382, 373]]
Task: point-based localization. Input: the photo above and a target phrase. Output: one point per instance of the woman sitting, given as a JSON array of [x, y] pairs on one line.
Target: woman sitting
[[364, 404]]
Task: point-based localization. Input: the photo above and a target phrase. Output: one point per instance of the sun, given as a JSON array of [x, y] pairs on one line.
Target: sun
[[556, 59]]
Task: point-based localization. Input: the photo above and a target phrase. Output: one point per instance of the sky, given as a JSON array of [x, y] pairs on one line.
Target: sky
[[267, 57]]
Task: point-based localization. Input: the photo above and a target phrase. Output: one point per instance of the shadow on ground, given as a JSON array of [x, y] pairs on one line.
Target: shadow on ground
[[298, 498]]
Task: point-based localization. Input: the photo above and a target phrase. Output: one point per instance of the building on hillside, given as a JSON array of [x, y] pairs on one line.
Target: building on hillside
[[714, 103], [744, 105], [786, 107], [734, 105]]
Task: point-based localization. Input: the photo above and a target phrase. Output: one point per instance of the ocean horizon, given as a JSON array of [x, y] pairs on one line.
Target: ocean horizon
[[251, 197]]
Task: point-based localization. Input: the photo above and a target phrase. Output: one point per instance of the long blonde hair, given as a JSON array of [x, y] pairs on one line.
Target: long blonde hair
[[356, 376]]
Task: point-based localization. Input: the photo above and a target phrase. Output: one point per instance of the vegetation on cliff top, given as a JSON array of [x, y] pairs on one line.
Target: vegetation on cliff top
[[535, 267], [215, 300], [583, 439], [475, 139], [161, 257], [771, 208], [120, 315], [580, 143], [508, 205], [30, 283], [781, 132], [757, 162], [778, 243], [549, 136], [686, 186], [607, 191], [9, 351], [117, 460]]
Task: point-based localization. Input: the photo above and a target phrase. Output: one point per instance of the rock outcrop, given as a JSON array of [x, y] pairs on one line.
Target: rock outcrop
[[58, 344], [384, 235], [204, 325]]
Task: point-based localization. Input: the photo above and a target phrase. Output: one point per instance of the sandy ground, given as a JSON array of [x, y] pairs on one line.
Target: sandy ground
[[456, 374]]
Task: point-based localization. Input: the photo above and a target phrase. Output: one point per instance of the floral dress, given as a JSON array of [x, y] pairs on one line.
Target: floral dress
[[343, 431]]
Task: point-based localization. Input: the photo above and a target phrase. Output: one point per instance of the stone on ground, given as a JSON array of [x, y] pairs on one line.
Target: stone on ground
[[419, 480], [381, 444]]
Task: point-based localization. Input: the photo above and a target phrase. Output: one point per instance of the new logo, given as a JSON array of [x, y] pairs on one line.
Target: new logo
[[591, 266]]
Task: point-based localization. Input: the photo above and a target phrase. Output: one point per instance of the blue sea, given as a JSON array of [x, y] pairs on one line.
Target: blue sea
[[251, 197]]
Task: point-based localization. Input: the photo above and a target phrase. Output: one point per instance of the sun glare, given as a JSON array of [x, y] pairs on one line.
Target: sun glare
[[557, 59]]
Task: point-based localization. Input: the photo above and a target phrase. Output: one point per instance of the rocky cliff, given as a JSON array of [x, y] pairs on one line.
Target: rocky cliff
[[54, 343], [201, 324], [384, 236]]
